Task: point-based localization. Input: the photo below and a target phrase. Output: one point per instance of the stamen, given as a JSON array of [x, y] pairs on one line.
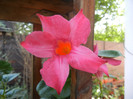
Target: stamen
[[63, 48]]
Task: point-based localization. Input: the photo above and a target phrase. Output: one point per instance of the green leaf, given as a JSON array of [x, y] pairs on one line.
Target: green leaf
[[109, 53], [47, 92], [44, 91], [1, 74], [112, 76], [5, 67], [1, 91], [66, 91], [16, 93], [9, 77]]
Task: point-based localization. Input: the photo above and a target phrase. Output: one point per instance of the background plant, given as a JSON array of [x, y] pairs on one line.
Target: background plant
[[109, 20], [7, 90], [108, 89], [111, 33], [46, 92]]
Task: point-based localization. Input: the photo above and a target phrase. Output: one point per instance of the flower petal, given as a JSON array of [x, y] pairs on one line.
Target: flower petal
[[80, 29], [113, 61], [95, 49], [40, 44], [56, 25], [55, 72], [82, 58], [104, 69], [99, 75]]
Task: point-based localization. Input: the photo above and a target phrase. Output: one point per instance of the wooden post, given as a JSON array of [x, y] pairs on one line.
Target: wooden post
[[81, 82], [36, 67]]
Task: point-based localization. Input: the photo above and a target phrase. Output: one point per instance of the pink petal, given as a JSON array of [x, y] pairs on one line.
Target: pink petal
[[56, 25], [82, 58], [104, 69], [95, 49], [55, 72], [113, 61], [80, 29], [99, 75], [39, 44]]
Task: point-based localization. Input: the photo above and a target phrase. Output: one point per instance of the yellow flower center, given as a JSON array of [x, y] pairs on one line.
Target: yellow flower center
[[63, 48]]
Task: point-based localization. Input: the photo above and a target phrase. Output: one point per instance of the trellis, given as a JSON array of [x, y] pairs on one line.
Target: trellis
[[25, 11]]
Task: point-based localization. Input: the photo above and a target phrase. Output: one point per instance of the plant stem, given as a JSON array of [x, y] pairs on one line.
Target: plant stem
[[4, 87], [101, 89]]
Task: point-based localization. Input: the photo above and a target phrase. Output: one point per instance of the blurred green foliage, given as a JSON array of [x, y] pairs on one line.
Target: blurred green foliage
[[8, 91], [111, 33], [110, 7], [109, 91], [103, 7], [107, 11], [23, 28], [2, 25]]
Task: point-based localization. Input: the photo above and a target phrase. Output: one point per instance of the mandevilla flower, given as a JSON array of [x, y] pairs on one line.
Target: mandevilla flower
[[60, 40], [103, 68]]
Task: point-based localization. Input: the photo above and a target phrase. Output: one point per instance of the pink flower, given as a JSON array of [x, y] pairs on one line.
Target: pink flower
[[103, 68], [61, 41]]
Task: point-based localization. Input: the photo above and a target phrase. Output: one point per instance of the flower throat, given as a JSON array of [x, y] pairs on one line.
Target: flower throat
[[63, 48]]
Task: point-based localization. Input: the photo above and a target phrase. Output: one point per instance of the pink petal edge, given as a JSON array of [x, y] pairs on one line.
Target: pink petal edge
[[102, 69], [82, 58], [38, 46], [112, 61], [56, 25], [99, 74], [55, 72], [80, 29], [95, 49]]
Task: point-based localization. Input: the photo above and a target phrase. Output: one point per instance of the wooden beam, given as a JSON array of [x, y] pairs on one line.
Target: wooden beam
[[25, 10], [59, 6], [14, 14], [36, 67], [81, 82]]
